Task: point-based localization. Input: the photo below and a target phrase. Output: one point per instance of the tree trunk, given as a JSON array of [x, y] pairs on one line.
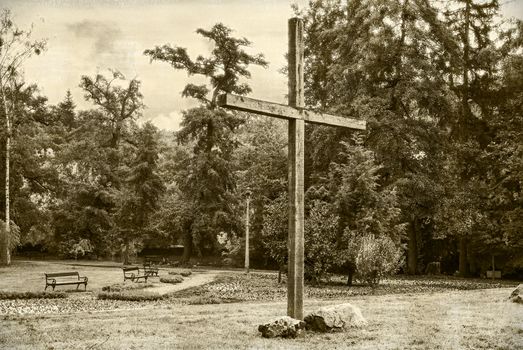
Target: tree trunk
[[5, 256], [463, 266], [412, 252], [187, 246], [471, 260], [350, 276], [125, 253]]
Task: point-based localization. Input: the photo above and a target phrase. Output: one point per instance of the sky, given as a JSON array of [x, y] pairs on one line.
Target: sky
[[89, 37]]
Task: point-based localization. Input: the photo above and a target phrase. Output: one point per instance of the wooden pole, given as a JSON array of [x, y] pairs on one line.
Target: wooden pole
[[297, 117], [248, 195], [296, 173]]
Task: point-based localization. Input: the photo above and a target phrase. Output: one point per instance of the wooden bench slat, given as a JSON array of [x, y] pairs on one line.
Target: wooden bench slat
[[62, 274]]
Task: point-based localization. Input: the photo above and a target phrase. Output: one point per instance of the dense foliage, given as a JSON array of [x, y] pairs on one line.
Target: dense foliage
[[437, 177]]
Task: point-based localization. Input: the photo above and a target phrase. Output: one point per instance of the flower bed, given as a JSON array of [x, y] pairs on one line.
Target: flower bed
[[31, 295], [172, 279], [134, 296]]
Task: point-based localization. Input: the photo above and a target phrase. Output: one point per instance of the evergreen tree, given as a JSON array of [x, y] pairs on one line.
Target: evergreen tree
[[372, 60], [364, 207], [206, 176], [144, 187]]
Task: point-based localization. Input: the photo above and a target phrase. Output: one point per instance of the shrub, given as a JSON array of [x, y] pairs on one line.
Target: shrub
[[377, 257], [32, 295], [183, 272], [120, 287], [321, 227], [172, 279], [80, 248], [14, 234], [135, 296]]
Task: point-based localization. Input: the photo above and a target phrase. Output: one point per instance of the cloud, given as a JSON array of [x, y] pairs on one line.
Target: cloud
[[169, 122], [104, 34]]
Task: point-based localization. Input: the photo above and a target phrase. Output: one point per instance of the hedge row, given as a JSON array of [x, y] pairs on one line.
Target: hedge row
[[172, 279], [136, 296], [120, 287], [32, 295]]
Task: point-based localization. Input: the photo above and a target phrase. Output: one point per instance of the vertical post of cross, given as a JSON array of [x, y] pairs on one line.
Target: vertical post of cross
[[296, 172]]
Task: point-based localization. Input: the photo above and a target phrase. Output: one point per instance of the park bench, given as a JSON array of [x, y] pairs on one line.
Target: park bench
[[150, 268], [133, 273], [64, 278]]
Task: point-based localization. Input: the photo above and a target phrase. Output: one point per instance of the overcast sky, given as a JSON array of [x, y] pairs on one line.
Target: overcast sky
[[86, 37]]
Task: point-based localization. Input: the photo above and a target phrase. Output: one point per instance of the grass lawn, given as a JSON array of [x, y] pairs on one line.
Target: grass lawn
[[24, 276], [416, 313], [479, 319]]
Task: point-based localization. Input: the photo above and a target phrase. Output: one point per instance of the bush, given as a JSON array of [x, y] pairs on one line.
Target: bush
[[80, 248], [321, 227], [32, 295], [135, 296], [376, 258], [14, 234], [183, 272], [120, 287], [173, 279]]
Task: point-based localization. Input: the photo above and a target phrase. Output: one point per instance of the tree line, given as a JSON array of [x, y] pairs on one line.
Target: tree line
[[436, 177]]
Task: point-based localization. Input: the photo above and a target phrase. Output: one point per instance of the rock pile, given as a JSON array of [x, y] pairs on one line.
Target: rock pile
[[335, 318], [285, 327], [326, 319]]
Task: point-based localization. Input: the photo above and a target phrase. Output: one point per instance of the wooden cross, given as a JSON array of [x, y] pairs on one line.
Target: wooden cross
[[297, 116]]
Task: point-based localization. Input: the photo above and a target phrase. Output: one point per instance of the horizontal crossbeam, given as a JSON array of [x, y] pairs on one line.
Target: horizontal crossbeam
[[276, 110]]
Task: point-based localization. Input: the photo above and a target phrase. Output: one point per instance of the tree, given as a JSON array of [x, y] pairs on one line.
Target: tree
[[321, 233], [363, 207], [274, 232], [119, 101], [94, 156], [262, 167], [144, 187], [471, 72], [206, 176], [372, 60], [503, 236], [15, 48]]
